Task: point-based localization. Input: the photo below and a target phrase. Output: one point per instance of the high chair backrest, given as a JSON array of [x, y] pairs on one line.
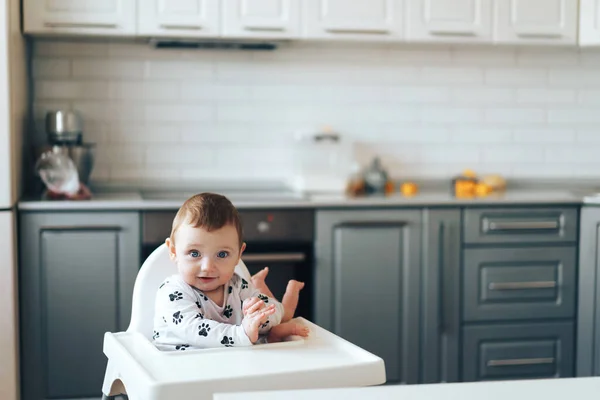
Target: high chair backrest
[[155, 269]]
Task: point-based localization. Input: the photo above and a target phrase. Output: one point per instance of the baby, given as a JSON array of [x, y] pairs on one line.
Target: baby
[[206, 304]]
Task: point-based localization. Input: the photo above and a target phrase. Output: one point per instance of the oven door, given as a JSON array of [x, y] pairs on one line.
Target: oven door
[[285, 264]]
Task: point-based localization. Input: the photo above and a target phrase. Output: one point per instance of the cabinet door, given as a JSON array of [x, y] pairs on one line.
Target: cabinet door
[[354, 20], [270, 19], [518, 351], [536, 21], [367, 277], [589, 22], [441, 296], [77, 277], [89, 17], [179, 18], [449, 20], [588, 313]]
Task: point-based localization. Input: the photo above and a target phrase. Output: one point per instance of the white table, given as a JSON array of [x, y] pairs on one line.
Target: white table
[[546, 389]]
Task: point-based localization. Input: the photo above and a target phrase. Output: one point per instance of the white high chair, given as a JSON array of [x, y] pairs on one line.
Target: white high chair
[[142, 372]]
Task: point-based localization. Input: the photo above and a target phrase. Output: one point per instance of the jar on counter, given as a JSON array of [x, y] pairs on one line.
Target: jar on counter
[[323, 162]]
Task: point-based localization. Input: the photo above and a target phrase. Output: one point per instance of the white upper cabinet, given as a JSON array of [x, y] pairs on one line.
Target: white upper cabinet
[[179, 18], [449, 20], [589, 22], [354, 19], [271, 19], [80, 17], [536, 21]]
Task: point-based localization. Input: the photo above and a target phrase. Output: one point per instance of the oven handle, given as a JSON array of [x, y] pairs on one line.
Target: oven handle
[[274, 257]]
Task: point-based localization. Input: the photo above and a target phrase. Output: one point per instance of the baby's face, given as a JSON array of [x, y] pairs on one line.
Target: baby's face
[[206, 260]]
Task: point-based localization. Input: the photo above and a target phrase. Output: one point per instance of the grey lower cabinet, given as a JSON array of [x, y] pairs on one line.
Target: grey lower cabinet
[[77, 271], [440, 296], [368, 283], [588, 321]]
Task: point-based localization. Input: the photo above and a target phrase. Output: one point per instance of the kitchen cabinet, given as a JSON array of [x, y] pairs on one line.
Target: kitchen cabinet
[[589, 22], [80, 17], [270, 19], [518, 290], [356, 20], [368, 283], [179, 18], [449, 21], [588, 312], [536, 21], [76, 283], [441, 295]]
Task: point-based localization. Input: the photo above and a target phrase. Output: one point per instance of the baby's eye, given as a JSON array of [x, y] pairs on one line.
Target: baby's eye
[[222, 254], [194, 253]]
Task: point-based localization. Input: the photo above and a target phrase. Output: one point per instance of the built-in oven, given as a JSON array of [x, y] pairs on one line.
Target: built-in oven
[[279, 239]]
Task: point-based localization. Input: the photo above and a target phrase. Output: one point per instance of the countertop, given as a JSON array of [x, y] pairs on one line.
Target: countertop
[[274, 196], [548, 389], [134, 200]]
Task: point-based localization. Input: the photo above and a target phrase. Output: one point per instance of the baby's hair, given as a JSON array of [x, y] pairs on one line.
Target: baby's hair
[[209, 211]]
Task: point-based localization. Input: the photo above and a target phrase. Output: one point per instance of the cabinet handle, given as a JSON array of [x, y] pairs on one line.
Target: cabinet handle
[[439, 32], [520, 361], [181, 27], [442, 256], [519, 225], [360, 31], [105, 25], [522, 285], [274, 257], [534, 35], [84, 228], [264, 28]]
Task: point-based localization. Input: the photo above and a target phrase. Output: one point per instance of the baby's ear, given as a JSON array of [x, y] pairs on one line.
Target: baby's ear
[[242, 249], [171, 246]]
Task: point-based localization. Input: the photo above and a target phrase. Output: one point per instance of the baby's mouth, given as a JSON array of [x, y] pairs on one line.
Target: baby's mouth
[[206, 279]]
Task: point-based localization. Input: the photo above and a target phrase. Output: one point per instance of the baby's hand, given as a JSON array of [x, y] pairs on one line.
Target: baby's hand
[[251, 305], [252, 321]]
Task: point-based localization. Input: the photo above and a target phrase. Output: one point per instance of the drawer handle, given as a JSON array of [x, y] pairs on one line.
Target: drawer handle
[[274, 257], [273, 28], [522, 285], [519, 225], [106, 25], [440, 32], [520, 361], [358, 31], [181, 27]]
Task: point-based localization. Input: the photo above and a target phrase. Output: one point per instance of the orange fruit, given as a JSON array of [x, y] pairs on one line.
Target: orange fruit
[[482, 189], [409, 188]]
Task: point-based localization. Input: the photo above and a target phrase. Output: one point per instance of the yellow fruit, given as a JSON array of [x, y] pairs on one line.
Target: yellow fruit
[[468, 173], [482, 189], [409, 188]]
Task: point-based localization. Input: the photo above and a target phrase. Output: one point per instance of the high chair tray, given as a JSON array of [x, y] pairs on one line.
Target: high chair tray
[[322, 360]]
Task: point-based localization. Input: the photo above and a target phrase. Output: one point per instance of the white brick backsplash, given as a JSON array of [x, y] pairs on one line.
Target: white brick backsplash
[[163, 91], [545, 96], [427, 111], [516, 76], [51, 68]]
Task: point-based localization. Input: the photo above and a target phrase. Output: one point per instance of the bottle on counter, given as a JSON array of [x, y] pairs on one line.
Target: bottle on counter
[[376, 177]]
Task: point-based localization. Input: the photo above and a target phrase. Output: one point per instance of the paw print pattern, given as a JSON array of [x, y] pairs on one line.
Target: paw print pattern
[[228, 311], [203, 296], [155, 335], [230, 289], [198, 304], [227, 341], [244, 284], [263, 298], [182, 346], [164, 320], [199, 315], [177, 317], [263, 326], [203, 329], [175, 296], [163, 284]]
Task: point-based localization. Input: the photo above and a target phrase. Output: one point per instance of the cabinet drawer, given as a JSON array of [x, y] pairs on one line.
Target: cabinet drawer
[[519, 283], [520, 225], [522, 351]]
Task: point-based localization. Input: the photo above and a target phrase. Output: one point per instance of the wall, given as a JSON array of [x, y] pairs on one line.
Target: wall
[[426, 110]]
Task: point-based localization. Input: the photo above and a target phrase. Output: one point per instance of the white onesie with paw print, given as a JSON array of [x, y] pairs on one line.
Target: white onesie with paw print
[[185, 318]]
